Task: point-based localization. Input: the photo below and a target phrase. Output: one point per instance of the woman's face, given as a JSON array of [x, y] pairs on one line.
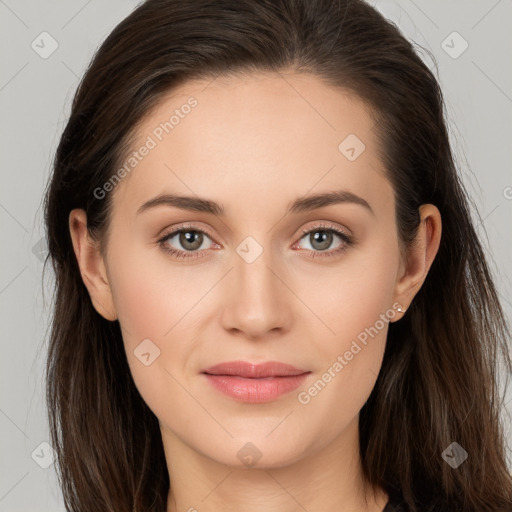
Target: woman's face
[[261, 281]]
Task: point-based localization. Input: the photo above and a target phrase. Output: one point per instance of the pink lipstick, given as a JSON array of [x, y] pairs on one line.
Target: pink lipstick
[[255, 383]]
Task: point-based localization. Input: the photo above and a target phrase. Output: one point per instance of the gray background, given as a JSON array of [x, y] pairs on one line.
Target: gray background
[[35, 97]]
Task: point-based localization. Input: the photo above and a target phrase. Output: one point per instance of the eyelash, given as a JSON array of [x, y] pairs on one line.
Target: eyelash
[[347, 242]]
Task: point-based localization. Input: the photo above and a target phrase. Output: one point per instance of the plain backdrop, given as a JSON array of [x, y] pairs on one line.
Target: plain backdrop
[[470, 40]]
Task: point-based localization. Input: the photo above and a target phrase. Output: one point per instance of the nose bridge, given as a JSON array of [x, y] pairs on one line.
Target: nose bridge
[[252, 269], [256, 302]]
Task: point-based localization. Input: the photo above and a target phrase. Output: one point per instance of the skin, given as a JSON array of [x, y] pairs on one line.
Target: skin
[[254, 144]]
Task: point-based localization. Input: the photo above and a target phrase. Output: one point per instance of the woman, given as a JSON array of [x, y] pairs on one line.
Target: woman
[[255, 307]]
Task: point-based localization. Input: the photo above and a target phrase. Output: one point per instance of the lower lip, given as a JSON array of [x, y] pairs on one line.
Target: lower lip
[[255, 390]]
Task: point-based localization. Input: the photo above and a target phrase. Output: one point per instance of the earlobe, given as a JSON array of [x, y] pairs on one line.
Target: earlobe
[[91, 264], [420, 256]]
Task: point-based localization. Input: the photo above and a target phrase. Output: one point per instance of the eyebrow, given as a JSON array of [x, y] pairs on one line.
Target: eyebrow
[[302, 204]]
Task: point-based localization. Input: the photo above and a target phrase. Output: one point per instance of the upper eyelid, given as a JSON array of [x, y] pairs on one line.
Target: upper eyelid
[[185, 227], [327, 225]]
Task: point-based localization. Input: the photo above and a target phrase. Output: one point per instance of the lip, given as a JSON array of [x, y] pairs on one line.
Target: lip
[[255, 383], [254, 370]]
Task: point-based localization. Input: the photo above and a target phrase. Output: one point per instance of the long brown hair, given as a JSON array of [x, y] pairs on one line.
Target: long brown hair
[[438, 381]]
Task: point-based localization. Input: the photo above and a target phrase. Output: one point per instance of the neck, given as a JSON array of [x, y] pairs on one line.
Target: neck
[[328, 477]]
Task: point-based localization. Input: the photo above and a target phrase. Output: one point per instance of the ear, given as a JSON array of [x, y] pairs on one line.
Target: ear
[[91, 264], [420, 256]]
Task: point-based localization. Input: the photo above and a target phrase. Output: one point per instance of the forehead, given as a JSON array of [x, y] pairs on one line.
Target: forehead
[[257, 133]]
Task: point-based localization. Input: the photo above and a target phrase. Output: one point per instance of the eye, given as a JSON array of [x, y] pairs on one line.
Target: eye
[[189, 239], [321, 237]]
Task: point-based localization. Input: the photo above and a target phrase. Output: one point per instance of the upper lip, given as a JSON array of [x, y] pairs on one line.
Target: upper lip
[[253, 370]]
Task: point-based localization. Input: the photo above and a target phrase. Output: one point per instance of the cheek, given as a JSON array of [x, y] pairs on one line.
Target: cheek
[[354, 302], [152, 296], [142, 304], [353, 295], [160, 301], [155, 306]]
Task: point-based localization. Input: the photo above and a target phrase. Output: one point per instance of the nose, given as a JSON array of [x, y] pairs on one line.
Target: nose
[[258, 302]]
